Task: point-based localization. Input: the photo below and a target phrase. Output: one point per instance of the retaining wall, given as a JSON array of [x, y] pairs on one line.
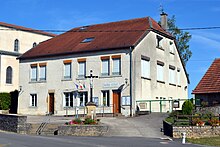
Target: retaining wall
[[82, 130]]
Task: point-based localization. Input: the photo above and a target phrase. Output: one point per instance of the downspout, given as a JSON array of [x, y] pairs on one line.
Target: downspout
[[130, 78]]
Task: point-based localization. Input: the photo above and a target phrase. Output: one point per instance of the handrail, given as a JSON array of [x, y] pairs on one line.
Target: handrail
[[45, 121]]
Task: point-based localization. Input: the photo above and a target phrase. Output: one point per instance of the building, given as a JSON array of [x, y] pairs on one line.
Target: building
[[14, 41], [207, 92], [134, 60]]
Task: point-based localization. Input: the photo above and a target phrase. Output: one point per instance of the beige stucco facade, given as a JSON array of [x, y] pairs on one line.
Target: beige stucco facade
[[142, 89], [8, 55]]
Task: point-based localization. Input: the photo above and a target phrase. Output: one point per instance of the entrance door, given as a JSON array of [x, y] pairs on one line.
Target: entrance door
[[51, 103], [116, 102]]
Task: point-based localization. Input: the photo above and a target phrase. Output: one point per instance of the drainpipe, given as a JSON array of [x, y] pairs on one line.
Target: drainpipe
[[130, 78]]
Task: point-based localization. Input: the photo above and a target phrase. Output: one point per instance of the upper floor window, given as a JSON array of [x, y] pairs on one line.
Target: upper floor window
[[34, 44], [159, 41], [16, 45], [145, 67], [116, 70], [172, 47], [33, 100], [178, 76], [42, 72], [67, 69], [82, 68], [160, 71], [172, 74], [105, 66], [34, 72], [86, 40], [9, 75]]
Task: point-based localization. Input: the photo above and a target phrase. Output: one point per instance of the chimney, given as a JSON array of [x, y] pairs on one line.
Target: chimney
[[163, 20]]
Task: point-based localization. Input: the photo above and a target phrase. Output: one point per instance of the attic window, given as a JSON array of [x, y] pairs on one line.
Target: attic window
[[88, 40]]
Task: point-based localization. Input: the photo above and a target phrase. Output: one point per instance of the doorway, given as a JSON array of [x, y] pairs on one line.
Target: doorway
[[116, 101], [51, 103]]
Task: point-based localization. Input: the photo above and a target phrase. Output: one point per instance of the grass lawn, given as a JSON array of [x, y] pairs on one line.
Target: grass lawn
[[212, 141]]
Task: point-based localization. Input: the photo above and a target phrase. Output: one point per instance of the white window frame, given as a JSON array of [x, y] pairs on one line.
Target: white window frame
[[106, 96], [172, 76], [178, 76], [145, 68], [159, 41], [33, 100], [43, 73], [172, 45], [160, 73], [34, 76], [68, 99], [82, 69], [116, 70], [105, 70], [67, 75]]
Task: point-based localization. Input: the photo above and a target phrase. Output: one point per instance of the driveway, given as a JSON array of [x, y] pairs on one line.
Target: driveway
[[142, 126]]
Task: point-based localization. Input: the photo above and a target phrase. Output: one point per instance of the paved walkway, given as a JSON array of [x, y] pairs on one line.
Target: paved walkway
[[141, 126]]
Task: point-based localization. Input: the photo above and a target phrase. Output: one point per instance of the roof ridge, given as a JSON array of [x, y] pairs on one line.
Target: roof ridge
[[18, 27]]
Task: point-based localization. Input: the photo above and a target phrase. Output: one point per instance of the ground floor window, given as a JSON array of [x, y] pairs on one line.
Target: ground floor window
[[105, 98], [83, 97], [68, 100], [33, 100]]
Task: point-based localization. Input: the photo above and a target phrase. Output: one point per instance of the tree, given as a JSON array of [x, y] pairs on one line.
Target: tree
[[182, 39], [187, 107]]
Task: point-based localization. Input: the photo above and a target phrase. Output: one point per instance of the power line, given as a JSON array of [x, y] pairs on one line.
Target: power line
[[84, 31]]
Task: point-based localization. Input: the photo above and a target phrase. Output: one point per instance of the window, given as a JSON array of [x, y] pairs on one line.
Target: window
[[178, 76], [105, 98], [34, 44], [88, 40], [34, 72], [159, 41], [33, 100], [82, 69], [67, 70], [172, 47], [42, 72], [68, 99], [16, 45], [116, 66], [105, 67], [172, 74], [160, 71], [9, 75], [83, 97], [145, 67]]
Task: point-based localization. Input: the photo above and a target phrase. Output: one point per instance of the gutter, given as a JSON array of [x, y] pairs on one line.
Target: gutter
[[130, 79]]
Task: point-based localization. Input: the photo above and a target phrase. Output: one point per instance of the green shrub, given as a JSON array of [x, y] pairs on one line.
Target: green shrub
[[5, 101], [89, 121], [187, 107]]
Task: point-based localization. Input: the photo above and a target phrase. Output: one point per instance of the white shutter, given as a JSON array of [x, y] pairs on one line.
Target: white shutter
[[171, 76], [105, 67], [145, 68], [160, 72], [30, 102], [116, 67], [178, 77], [64, 100], [42, 72]]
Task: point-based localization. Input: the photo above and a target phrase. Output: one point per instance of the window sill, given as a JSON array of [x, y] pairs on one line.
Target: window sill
[[172, 84], [7, 84], [178, 86], [32, 107], [67, 79], [172, 53], [161, 82], [37, 82], [145, 78], [102, 76], [116, 76], [81, 78], [159, 47]]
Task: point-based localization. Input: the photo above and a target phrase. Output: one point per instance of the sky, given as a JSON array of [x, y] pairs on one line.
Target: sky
[[67, 14]]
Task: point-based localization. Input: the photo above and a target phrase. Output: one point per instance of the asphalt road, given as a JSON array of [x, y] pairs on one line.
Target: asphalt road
[[18, 140]]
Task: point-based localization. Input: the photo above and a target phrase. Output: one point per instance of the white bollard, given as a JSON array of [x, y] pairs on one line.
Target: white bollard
[[92, 114], [184, 138]]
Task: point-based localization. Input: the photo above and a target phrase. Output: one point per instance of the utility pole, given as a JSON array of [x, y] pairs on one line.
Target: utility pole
[[91, 85]]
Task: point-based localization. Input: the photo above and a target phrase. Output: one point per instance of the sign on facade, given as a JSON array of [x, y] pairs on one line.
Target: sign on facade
[[111, 85]]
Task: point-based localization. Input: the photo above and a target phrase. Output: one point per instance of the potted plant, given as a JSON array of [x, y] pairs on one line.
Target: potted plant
[[214, 122], [198, 122]]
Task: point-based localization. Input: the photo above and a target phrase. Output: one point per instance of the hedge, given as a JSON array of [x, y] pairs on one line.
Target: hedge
[[5, 101]]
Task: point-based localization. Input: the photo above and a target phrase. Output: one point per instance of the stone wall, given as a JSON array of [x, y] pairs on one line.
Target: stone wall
[[215, 110], [82, 130], [13, 123], [196, 132]]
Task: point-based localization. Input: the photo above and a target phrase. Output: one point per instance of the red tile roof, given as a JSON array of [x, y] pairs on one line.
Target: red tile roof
[[26, 29], [107, 36], [210, 83]]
